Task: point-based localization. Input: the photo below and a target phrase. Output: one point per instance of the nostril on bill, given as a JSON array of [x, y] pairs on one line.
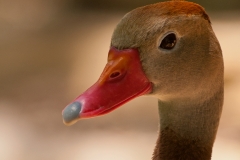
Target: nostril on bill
[[71, 113], [115, 74]]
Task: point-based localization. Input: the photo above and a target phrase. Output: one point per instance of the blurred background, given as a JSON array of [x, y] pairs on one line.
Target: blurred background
[[51, 51]]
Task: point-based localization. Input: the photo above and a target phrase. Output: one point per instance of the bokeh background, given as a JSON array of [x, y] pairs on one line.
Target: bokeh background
[[51, 51]]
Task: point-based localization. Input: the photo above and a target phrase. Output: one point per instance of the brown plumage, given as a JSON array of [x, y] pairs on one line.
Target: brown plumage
[[188, 81]]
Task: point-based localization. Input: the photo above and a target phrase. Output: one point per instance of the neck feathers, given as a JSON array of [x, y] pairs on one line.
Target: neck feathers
[[188, 132], [172, 146]]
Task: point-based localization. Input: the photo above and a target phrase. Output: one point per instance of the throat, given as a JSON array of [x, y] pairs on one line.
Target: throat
[[187, 131]]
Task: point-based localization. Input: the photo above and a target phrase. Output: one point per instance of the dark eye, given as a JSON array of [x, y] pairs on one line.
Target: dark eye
[[168, 42]]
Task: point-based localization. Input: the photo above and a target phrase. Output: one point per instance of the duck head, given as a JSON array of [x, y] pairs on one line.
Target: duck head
[[167, 50]]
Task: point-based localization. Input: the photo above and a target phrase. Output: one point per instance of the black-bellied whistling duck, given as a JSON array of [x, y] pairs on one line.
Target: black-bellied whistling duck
[[170, 51]]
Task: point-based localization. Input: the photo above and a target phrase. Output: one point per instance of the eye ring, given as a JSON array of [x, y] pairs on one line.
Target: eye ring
[[168, 42]]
